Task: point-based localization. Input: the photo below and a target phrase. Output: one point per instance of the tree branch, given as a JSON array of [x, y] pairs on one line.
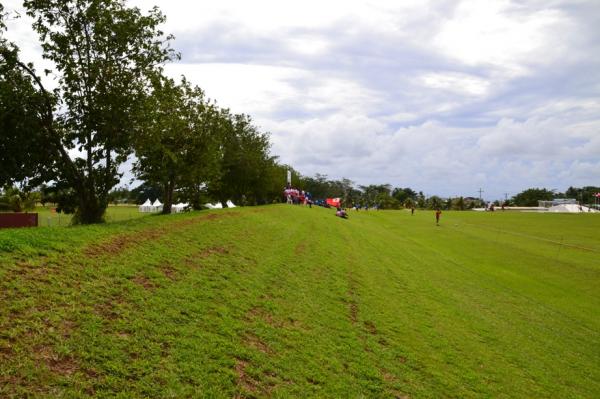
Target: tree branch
[[49, 124]]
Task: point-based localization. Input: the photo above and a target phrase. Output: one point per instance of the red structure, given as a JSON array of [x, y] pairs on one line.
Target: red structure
[[18, 219], [335, 202]]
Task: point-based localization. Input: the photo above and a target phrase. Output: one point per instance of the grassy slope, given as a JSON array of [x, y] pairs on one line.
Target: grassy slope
[[289, 301]]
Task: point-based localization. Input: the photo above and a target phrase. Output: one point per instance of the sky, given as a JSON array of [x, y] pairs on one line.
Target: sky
[[445, 97]]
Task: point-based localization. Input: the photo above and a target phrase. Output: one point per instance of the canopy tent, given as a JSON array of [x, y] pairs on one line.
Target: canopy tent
[[157, 206], [146, 206], [230, 204], [216, 205], [179, 207]]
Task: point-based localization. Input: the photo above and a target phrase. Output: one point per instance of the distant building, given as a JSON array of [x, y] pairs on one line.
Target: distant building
[[557, 201]]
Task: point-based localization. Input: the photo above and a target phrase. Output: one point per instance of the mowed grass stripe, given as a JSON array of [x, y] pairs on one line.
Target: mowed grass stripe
[[289, 301]]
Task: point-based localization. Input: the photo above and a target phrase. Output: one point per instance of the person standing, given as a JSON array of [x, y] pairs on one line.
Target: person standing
[[412, 210], [438, 213]]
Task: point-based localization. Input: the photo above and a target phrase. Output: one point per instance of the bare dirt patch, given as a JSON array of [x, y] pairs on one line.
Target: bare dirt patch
[[255, 342], [370, 327], [243, 379], [259, 313], [169, 271], [107, 309], [62, 365], [300, 248], [205, 253], [144, 282], [122, 242]]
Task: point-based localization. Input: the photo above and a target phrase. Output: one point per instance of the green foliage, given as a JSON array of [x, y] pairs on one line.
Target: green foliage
[[104, 54], [434, 202], [178, 148], [585, 195], [244, 160], [18, 200], [458, 204], [402, 194], [24, 148], [531, 196]]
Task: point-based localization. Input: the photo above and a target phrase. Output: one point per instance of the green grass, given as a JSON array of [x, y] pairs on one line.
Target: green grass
[[48, 218], [287, 301]]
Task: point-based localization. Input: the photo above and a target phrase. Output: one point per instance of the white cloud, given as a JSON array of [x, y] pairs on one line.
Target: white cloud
[[444, 96], [500, 33]]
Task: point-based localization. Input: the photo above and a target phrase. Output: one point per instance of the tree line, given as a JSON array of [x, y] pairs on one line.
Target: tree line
[[113, 102]]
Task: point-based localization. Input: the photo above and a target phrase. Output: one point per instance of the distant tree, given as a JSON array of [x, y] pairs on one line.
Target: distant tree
[[375, 193], [243, 160], [434, 202], [402, 194], [409, 203], [19, 200], [448, 204], [420, 200], [146, 191], [458, 204], [119, 195], [531, 196], [584, 195]]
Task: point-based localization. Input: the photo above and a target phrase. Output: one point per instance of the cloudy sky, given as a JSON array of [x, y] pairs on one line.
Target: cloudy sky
[[443, 96]]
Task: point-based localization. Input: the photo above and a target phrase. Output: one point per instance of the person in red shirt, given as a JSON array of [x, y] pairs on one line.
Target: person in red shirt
[[438, 213]]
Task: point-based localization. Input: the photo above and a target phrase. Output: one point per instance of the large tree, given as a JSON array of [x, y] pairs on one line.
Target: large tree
[[104, 53], [244, 162], [177, 149]]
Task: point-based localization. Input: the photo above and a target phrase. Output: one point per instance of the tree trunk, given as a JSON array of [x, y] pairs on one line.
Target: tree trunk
[[91, 209], [168, 200]]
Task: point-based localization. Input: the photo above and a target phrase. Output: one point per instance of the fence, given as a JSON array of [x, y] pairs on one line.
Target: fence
[[18, 219]]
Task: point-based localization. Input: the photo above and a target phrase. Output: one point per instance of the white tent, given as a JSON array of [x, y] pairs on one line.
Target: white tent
[[179, 207], [146, 206], [218, 205], [157, 206]]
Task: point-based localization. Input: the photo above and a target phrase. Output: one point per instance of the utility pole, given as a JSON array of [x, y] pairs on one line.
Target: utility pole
[[480, 191], [505, 198]]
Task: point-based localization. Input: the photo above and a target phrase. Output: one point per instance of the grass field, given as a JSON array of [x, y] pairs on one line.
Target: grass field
[[48, 218], [287, 301]]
